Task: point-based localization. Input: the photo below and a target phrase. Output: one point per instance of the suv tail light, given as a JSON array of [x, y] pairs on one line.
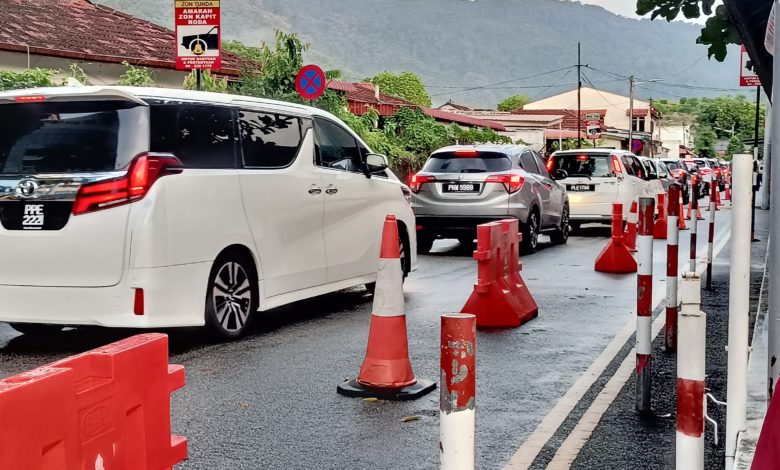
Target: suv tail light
[[142, 172], [550, 164], [677, 173], [417, 181], [616, 168], [512, 181]]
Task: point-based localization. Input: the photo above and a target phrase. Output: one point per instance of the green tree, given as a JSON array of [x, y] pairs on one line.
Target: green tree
[[207, 82], [274, 77], [705, 138], [30, 78], [736, 145], [717, 33], [135, 76], [405, 85], [513, 103]]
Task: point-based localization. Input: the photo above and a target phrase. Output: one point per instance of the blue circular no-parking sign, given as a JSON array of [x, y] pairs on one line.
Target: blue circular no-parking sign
[[310, 82]]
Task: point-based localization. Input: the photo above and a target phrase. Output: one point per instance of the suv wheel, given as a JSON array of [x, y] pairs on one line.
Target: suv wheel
[[35, 329], [531, 233], [231, 297], [561, 234]]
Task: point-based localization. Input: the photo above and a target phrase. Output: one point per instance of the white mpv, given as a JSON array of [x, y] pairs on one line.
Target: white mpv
[[150, 207]]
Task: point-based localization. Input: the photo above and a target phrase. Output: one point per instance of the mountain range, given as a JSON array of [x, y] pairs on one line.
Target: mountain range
[[477, 52]]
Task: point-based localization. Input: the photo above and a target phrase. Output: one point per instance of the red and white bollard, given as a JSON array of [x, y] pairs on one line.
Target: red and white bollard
[[694, 228], [644, 319], [458, 391], [711, 235], [629, 238], [672, 266], [690, 376]]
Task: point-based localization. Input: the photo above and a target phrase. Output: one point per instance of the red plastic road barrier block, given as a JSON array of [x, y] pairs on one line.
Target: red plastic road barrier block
[[767, 456], [660, 228], [615, 257], [108, 408], [500, 298]]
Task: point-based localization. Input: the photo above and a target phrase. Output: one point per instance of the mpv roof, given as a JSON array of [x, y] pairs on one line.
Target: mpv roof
[[162, 93]]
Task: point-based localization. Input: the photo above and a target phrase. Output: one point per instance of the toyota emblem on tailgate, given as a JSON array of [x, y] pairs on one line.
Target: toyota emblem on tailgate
[[26, 188]]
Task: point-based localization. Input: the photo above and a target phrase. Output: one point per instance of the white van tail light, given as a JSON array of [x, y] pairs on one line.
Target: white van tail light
[[138, 302], [616, 168], [142, 172]]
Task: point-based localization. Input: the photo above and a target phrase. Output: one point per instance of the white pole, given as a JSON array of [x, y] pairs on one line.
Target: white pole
[[691, 355], [767, 175], [739, 301], [773, 315]]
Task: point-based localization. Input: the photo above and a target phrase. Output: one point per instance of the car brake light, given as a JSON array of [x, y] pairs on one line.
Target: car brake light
[[550, 164], [616, 168], [30, 99], [512, 181], [138, 302], [417, 181], [466, 153], [141, 174], [677, 173], [582, 158]]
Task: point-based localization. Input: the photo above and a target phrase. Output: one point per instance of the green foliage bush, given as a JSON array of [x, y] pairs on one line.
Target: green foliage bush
[[31, 78]]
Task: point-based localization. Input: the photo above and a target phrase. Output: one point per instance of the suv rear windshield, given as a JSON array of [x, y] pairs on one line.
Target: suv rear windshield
[[672, 165], [480, 162], [591, 165], [70, 137], [701, 163]]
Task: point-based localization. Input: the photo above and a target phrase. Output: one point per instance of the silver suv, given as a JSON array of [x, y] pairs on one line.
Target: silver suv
[[461, 187]]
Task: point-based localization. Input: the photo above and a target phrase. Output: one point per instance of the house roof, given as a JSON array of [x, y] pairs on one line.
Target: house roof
[[462, 119], [751, 17], [342, 86], [82, 30], [457, 106], [569, 116]]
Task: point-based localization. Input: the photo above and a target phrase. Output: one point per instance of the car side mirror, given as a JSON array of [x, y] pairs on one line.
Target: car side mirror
[[559, 174], [376, 163]]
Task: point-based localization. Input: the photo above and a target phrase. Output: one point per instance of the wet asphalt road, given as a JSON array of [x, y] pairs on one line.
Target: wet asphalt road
[[269, 401]]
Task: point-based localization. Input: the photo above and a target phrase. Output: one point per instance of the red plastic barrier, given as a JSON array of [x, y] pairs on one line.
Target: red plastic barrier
[[501, 298], [108, 408], [767, 456], [615, 257], [660, 227]]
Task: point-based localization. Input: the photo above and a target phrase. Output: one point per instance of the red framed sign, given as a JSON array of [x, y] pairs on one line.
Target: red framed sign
[[198, 35]]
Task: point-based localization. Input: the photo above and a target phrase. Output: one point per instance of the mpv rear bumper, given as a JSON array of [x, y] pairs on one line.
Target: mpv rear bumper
[[174, 296]]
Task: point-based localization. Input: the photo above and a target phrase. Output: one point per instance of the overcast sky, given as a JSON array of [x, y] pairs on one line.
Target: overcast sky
[[625, 7]]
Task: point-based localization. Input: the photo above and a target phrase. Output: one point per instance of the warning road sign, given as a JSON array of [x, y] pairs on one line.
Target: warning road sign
[[748, 75], [310, 82], [197, 34]]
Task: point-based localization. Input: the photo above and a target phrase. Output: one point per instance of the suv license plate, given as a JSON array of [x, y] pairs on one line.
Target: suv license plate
[[461, 188], [582, 187]]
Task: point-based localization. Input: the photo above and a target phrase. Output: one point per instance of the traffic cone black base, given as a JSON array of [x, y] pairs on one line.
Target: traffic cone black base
[[351, 388]]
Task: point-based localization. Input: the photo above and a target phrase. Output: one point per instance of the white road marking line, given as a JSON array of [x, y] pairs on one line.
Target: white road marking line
[[529, 450]]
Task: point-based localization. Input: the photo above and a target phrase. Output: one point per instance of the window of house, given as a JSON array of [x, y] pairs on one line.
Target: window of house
[[268, 140], [638, 123]]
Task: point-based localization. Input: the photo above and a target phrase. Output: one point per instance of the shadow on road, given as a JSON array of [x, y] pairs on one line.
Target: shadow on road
[[182, 340]]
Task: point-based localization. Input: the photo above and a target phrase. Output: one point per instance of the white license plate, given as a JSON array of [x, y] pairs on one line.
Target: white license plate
[[461, 188], [581, 187]]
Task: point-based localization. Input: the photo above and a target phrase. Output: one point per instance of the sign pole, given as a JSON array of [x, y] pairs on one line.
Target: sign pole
[[198, 78]]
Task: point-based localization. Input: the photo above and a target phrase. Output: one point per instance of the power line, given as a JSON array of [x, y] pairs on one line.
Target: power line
[[504, 82], [552, 85], [664, 83], [619, 106]]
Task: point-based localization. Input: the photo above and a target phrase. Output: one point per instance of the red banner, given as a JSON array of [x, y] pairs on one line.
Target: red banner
[[197, 35]]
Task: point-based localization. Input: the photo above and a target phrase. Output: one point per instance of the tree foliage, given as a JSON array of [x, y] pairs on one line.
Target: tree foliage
[[278, 66], [208, 82], [405, 85], [135, 76], [30, 78], [718, 31], [513, 103]]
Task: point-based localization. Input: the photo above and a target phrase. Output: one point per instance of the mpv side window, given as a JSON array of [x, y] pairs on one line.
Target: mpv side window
[[336, 148], [528, 163], [627, 165], [268, 140], [201, 136]]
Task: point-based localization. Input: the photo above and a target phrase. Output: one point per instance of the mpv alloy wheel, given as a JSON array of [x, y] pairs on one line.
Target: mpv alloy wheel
[[231, 297]]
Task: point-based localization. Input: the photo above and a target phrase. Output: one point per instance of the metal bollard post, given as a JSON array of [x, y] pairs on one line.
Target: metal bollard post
[[711, 236], [672, 266], [644, 318], [694, 227], [739, 303], [458, 391], [690, 376]]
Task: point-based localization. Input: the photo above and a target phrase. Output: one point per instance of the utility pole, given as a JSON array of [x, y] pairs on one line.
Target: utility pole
[[579, 96], [631, 114]]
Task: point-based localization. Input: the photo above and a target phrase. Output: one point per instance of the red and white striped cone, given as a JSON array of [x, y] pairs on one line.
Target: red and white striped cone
[[629, 237], [691, 403], [691, 195], [672, 263], [387, 372], [644, 302], [727, 196], [680, 219], [711, 235], [457, 401], [718, 204]]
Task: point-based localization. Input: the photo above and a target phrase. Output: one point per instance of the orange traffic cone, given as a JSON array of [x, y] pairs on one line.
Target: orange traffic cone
[[727, 197], [681, 220], [629, 236], [718, 204], [387, 372]]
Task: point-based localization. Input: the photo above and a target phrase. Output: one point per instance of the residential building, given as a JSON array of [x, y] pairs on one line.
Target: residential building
[[677, 138], [97, 38]]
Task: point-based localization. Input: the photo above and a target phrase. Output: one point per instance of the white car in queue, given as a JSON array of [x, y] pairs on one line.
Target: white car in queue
[[596, 178], [150, 207]]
